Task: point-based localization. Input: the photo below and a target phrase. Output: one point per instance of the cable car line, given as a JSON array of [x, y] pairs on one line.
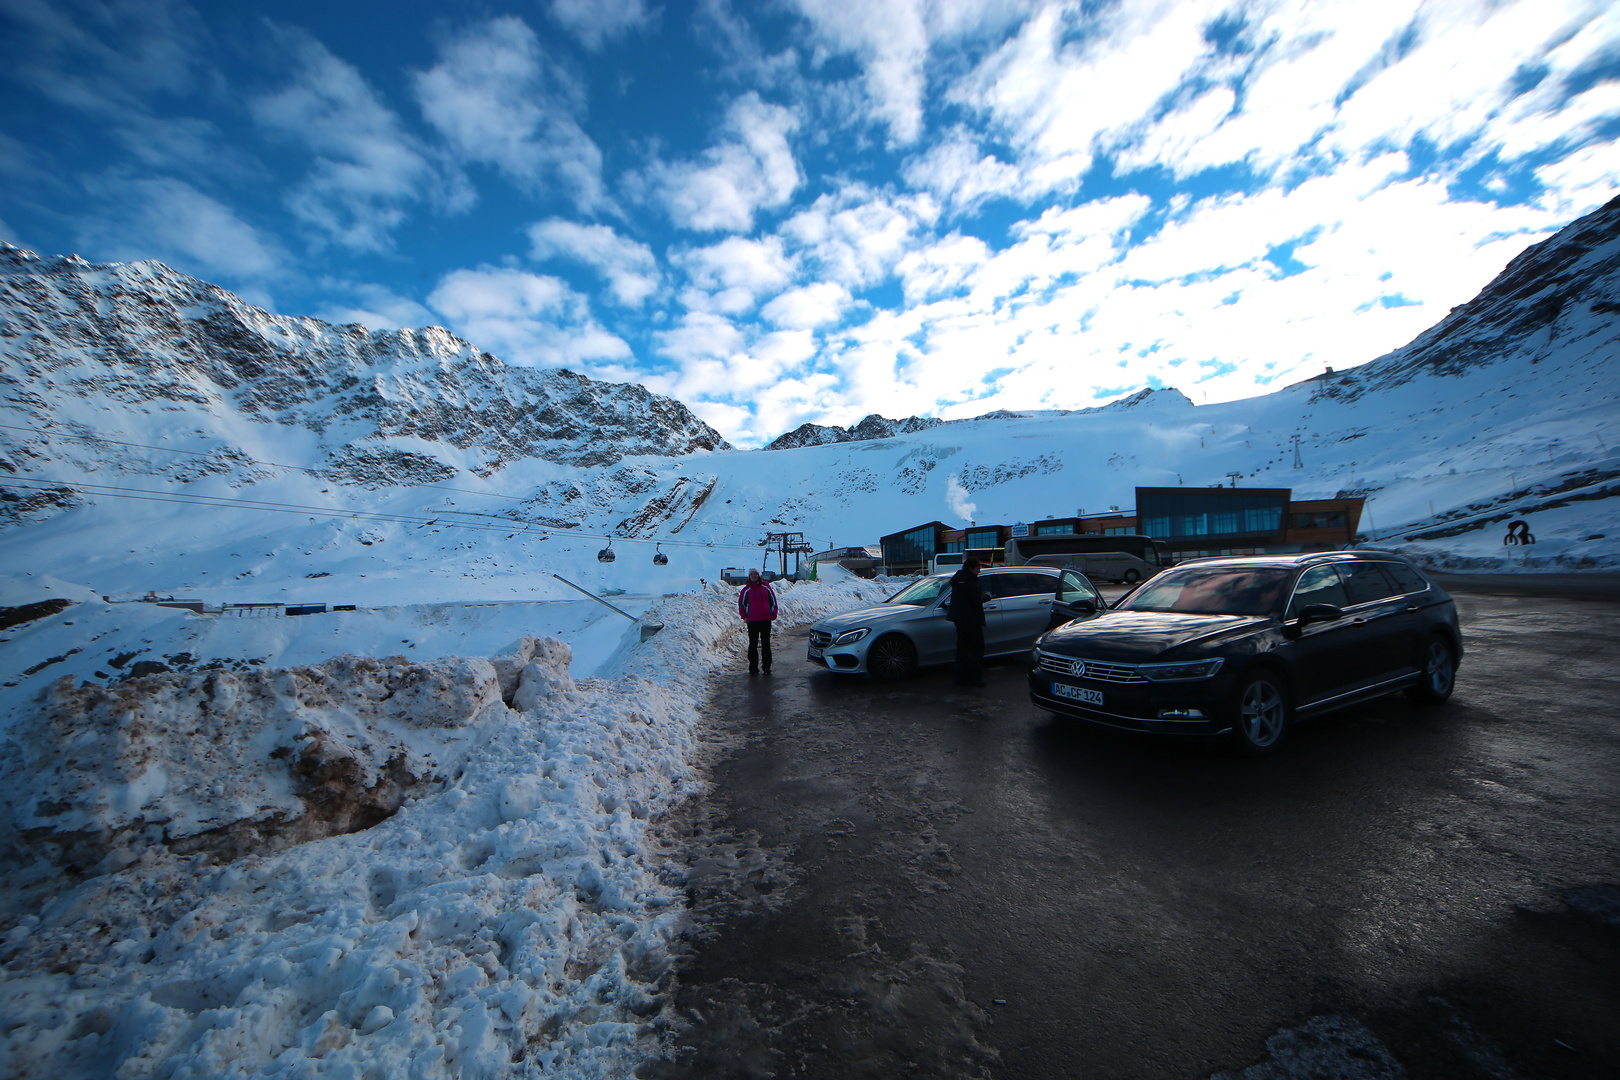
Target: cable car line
[[325, 476], [255, 461], [526, 528]]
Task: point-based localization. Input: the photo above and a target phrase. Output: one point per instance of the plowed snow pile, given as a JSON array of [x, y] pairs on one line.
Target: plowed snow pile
[[366, 867]]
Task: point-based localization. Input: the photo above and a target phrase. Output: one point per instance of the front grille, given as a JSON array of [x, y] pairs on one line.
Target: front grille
[[1095, 670], [820, 639]]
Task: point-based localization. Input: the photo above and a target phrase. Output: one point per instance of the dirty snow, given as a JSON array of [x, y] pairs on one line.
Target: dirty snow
[[184, 897]]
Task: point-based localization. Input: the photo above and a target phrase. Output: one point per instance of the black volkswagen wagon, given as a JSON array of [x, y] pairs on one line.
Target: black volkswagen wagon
[[1243, 646]]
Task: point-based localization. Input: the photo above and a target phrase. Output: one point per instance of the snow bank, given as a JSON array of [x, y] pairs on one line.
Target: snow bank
[[504, 907]]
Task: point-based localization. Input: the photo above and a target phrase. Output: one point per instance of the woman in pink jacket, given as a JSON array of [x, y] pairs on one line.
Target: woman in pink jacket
[[756, 603]]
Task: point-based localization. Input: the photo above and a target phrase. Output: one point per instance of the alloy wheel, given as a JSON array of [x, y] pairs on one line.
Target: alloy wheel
[[891, 658], [1263, 713], [1437, 669]]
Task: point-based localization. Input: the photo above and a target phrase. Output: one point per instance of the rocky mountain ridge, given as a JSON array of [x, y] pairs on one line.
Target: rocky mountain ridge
[[1569, 284], [874, 426], [402, 406]]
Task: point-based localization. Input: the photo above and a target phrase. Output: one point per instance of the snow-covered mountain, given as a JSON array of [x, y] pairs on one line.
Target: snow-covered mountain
[[872, 427], [96, 349], [879, 427]]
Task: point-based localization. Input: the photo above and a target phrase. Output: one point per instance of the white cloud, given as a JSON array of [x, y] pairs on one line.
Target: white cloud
[[109, 59], [367, 170], [959, 174], [596, 22], [753, 169], [857, 236], [701, 336], [182, 143], [732, 275], [168, 219], [891, 40], [376, 307], [498, 100], [524, 318], [1317, 81], [786, 348], [819, 304], [744, 388], [1055, 100], [942, 267], [1068, 314], [631, 268], [719, 27]]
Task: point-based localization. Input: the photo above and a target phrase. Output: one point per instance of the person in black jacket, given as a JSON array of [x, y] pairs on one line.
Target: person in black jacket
[[967, 612]]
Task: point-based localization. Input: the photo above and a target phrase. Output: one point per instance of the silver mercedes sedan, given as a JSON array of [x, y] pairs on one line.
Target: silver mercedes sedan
[[910, 629]]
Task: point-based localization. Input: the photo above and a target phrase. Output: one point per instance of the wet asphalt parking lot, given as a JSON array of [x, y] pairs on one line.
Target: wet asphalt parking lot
[[915, 880]]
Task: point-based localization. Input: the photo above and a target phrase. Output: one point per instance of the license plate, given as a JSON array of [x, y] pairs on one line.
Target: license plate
[[1077, 693], [815, 653]]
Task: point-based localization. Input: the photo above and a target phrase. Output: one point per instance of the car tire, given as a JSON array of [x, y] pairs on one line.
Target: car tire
[[891, 658], [1261, 714], [1132, 577], [1439, 673]]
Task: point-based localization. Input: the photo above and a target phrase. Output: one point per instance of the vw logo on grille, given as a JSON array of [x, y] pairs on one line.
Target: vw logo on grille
[[1077, 668]]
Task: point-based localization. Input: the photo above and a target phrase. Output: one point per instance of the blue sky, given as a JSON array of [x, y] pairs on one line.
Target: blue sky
[[816, 209]]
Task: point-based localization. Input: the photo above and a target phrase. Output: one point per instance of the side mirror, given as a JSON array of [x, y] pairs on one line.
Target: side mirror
[[1319, 613], [1083, 606]]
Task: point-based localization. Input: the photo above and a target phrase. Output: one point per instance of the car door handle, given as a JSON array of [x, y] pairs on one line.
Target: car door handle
[[990, 607], [1043, 601]]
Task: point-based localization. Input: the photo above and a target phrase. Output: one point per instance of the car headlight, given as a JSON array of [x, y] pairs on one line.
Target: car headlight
[[850, 637], [1189, 672]]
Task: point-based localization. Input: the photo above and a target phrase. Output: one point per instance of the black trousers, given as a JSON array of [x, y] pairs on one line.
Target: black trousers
[[759, 645], [969, 653]]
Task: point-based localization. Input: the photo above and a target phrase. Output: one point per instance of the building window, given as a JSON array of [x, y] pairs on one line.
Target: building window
[[1190, 515], [1320, 519], [1119, 532], [982, 538], [1051, 530], [1262, 519], [953, 547], [910, 549]]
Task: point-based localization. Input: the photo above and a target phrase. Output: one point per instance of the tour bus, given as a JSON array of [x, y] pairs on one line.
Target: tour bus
[[1128, 558]]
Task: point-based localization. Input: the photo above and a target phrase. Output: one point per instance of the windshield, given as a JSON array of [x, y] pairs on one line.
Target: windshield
[[921, 592], [1213, 591]]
